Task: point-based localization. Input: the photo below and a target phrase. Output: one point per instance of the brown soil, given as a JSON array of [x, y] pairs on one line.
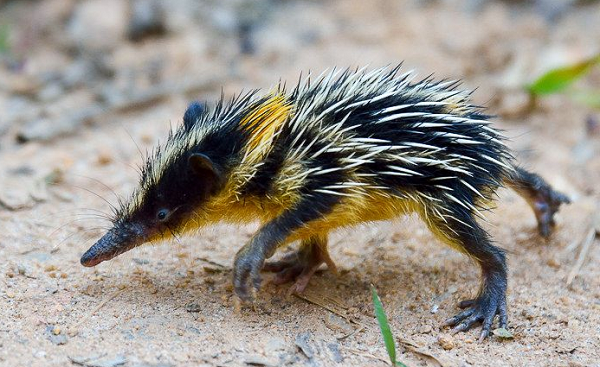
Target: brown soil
[[68, 140]]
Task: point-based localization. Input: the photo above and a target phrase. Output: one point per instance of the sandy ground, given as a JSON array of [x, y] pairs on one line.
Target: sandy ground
[[171, 304]]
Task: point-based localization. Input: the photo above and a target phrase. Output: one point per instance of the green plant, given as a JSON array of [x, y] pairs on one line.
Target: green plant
[[386, 332], [559, 80]]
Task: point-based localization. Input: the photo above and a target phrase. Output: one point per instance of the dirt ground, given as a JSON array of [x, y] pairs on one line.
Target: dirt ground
[[87, 86]]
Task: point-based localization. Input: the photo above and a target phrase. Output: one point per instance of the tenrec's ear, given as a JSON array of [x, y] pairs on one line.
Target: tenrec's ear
[[192, 114], [202, 165]]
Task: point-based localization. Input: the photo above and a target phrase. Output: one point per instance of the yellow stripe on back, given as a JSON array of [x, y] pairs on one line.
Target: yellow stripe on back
[[263, 124]]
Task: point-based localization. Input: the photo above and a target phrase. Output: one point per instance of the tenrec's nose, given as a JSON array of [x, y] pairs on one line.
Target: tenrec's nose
[[115, 242]]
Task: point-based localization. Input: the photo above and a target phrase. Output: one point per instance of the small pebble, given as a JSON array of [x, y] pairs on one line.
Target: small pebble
[[141, 261], [275, 345], [16, 199], [528, 314], [502, 333], [302, 342], [55, 177], [39, 354], [55, 335], [256, 360], [50, 268], [446, 342], [553, 263], [104, 158], [193, 307], [147, 19], [425, 329]]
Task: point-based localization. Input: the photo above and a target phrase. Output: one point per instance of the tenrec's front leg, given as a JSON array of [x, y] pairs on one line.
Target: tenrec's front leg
[[250, 259]]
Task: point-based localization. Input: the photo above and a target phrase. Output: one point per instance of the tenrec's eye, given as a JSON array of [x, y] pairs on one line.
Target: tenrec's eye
[[162, 214]]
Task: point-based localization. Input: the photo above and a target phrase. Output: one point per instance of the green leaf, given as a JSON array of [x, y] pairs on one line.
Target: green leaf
[[388, 337], [557, 80], [502, 333]]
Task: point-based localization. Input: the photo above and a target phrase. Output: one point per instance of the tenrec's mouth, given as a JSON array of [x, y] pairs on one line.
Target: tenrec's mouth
[[90, 259]]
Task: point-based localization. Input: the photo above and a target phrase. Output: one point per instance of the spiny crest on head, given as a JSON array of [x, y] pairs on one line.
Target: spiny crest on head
[[198, 122]]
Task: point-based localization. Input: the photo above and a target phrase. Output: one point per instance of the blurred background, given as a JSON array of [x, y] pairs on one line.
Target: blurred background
[[69, 66], [66, 64], [88, 86]]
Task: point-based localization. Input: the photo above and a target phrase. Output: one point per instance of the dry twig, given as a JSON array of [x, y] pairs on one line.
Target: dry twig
[[585, 248], [73, 330], [366, 355], [415, 348]]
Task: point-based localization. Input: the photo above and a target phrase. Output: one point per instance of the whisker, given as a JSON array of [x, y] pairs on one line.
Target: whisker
[[113, 208], [134, 142], [101, 183], [85, 236], [56, 230]]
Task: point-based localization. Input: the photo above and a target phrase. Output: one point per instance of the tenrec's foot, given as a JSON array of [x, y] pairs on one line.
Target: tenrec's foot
[[482, 309], [299, 266]]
